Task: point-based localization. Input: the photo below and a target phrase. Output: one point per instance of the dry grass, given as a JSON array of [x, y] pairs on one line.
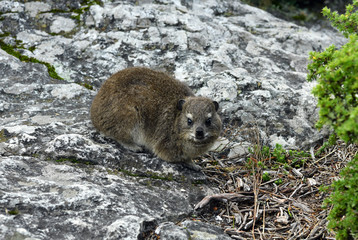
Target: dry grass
[[263, 199]]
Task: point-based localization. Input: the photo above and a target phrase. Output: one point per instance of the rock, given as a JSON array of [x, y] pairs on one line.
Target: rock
[[81, 202], [33, 8], [199, 230], [239, 149], [61, 179], [62, 24], [68, 91], [190, 230], [170, 231]]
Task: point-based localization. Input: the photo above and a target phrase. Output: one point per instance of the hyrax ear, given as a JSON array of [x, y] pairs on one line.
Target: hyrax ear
[[216, 104], [180, 104]]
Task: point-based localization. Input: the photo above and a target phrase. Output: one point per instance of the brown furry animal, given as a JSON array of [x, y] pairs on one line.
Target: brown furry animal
[[140, 107]]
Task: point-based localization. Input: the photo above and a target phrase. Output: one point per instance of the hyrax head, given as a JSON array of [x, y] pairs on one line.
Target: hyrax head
[[199, 122]]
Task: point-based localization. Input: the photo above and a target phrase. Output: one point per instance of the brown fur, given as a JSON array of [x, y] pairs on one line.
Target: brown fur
[[140, 107]]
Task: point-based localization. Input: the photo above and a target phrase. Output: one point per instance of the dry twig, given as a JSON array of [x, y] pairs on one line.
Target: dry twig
[[286, 207]]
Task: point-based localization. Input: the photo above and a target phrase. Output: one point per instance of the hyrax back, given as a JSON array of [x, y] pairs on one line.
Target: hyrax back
[[140, 107]]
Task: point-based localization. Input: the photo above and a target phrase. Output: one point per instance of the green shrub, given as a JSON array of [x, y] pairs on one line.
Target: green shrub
[[343, 218], [266, 177], [347, 23], [278, 156], [336, 72], [279, 153]]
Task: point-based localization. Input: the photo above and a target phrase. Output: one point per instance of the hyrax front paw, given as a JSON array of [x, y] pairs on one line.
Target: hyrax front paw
[[192, 166]]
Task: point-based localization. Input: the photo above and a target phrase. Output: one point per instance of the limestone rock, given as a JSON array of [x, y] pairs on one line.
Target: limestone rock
[[190, 230], [62, 24], [74, 202]]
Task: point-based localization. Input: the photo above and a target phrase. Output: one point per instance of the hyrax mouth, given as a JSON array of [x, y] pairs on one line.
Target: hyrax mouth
[[200, 142]]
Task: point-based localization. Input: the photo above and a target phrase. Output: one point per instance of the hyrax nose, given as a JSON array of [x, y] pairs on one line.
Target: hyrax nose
[[199, 133]]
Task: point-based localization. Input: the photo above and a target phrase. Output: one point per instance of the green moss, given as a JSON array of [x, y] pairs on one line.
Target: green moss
[[19, 45], [152, 175], [64, 159], [76, 17], [14, 211], [74, 160], [80, 11], [4, 135], [129, 173], [228, 14], [77, 11], [18, 42], [51, 70], [32, 48], [55, 11], [10, 50], [86, 85], [6, 34]]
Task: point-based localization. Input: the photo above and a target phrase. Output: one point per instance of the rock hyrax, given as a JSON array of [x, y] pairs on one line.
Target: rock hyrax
[[142, 108]]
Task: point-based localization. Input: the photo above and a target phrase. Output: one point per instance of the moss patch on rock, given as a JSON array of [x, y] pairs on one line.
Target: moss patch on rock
[[11, 50], [4, 135]]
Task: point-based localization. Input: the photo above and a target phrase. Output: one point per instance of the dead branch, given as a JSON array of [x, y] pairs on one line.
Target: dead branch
[[222, 196]]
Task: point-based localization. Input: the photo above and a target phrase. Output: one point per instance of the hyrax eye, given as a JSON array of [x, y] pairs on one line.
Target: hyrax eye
[[208, 122], [190, 122]]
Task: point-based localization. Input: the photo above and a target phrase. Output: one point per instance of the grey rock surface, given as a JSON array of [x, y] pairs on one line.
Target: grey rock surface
[[190, 230], [252, 63], [60, 201]]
